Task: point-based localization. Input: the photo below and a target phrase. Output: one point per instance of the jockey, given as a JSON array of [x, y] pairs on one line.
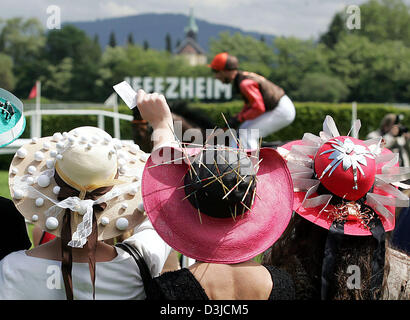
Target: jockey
[[267, 108]]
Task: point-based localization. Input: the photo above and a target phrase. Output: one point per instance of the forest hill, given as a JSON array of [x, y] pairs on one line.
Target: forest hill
[[183, 87]]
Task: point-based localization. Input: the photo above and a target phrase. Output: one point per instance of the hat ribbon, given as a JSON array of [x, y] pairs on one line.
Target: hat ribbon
[[75, 204], [65, 192], [85, 208]]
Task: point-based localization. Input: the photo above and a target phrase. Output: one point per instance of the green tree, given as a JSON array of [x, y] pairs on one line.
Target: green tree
[[385, 20], [321, 87], [168, 43], [71, 42], [372, 71], [253, 54], [245, 48], [112, 42], [336, 29], [22, 39], [349, 61], [114, 62], [57, 82], [381, 20], [145, 45], [7, 80], [373, 61], [97, 40], [130, 39], [295, 58]]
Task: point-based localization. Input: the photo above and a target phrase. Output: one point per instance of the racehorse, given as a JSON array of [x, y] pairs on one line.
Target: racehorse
[[184, 119]]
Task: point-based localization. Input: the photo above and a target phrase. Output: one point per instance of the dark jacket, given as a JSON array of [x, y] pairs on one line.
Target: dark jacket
[[14, 235], [260, 94]]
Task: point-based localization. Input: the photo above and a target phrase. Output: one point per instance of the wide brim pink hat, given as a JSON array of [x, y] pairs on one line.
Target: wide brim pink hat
[[383, 197], [218, 240]]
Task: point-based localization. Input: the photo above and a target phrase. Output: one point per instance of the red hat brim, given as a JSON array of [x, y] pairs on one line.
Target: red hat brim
[[351, 227], [218, 240]]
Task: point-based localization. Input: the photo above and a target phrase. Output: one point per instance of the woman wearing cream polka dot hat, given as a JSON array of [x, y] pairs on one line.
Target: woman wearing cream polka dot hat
[[82, 186]]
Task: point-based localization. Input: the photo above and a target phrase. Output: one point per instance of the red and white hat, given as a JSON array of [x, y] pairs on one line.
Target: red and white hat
[[338, 177]]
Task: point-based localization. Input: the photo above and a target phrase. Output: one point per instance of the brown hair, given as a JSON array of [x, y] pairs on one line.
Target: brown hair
[[387, 122], [300, 252]]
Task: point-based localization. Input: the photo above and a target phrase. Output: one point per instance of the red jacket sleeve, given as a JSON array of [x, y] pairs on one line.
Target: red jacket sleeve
[[255, 106]]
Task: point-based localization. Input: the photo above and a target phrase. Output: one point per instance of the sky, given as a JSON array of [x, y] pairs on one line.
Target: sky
[[300, 18]]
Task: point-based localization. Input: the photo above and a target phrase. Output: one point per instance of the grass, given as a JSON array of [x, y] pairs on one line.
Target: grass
[[4, 185]]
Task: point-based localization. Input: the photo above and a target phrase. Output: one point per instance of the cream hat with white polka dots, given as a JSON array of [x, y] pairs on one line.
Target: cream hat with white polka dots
[[83, 161]]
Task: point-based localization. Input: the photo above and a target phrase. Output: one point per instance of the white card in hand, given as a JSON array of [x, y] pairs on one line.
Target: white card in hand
[[127, 94]]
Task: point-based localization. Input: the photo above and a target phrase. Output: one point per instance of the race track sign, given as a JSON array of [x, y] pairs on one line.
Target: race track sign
[[183, 87]]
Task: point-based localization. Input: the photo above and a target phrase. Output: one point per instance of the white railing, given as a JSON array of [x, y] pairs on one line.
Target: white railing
[[35, 123]]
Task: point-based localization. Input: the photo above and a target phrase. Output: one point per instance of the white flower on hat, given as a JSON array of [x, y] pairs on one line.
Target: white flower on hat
[[352, 155]]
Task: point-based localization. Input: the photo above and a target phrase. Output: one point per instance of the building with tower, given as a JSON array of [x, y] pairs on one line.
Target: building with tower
[[189, 47]]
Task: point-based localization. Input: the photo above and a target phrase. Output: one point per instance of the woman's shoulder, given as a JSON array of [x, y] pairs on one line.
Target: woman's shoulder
[[15, 266], [13, 258], [19, 263], [12, 274]]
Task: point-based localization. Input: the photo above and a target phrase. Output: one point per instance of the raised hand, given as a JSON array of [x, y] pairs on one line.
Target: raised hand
[[154, 108]]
